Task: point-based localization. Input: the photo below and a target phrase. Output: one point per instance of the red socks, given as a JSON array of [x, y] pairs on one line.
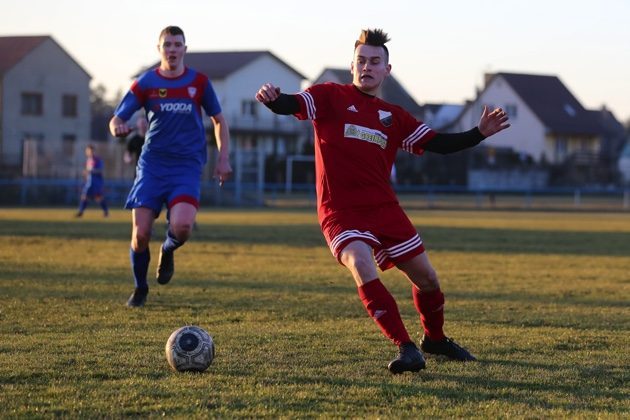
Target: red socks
[[382, 307], [430, 306]]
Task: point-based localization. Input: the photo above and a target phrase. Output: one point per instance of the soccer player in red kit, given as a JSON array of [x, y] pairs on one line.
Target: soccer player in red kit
[[357, 136]]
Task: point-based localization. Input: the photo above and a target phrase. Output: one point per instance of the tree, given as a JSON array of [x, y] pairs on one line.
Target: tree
[[102, 111]]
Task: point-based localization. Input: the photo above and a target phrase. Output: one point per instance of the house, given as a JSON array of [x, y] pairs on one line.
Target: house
[[548, 124], [440, 116], [392, 91], [549, 127], [624, 164], [44, 106]]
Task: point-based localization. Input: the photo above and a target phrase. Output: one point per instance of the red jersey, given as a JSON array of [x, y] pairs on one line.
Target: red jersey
[[357, 137]]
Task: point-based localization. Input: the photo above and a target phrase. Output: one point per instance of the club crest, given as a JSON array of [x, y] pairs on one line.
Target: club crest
[[385, 117], [162, 93], [192, 91]]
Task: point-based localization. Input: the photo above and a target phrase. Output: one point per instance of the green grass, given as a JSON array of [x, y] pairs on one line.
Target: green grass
[[541, 298]]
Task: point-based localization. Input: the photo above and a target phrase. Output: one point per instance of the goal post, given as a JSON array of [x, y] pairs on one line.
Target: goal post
[[288, 186]]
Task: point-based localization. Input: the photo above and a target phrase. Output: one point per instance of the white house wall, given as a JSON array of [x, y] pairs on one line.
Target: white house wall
[[50, 71], [526, 133], [243, 84]]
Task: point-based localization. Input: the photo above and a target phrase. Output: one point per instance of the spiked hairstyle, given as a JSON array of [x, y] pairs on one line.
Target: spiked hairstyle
[[375, 38], [172, 30]]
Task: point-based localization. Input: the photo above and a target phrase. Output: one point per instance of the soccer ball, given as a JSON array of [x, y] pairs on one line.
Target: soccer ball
[[190, 348]]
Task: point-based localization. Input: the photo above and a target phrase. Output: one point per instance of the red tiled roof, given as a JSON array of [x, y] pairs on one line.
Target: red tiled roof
[[15, 48]]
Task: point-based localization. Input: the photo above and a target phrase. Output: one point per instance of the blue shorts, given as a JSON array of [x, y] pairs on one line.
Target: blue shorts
[[168, 188], [93, 189]]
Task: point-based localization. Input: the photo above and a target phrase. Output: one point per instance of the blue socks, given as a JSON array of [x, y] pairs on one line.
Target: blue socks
[[82, 206], [140, 267], [171, 243], [104, 207]]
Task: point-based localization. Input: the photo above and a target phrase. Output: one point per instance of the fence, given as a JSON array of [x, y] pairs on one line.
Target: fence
[[65, 192]]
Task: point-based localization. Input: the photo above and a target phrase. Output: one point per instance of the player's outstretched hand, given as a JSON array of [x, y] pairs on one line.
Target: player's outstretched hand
[[267, 93], [493, 122]]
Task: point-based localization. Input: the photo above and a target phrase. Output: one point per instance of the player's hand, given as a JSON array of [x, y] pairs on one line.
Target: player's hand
[[222, 171], [493, 122], [118, 127], [267, 93]]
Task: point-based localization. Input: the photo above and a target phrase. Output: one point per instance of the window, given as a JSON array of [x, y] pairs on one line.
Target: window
[[67, 144], [69, 105], [510, 109], [248, 108], [569, 110], [32, 103], [561, 149]]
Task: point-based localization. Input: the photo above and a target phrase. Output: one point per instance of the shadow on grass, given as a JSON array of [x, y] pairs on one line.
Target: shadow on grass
[[309, 235]]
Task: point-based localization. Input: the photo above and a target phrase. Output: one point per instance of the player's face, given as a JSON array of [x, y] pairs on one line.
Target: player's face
[[369, 68], [172, 49]]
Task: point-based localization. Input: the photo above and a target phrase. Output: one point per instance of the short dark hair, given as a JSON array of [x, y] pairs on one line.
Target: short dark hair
[[172, 30], [375, 38]]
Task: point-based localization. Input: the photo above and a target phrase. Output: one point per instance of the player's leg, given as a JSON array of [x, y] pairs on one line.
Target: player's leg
[[429, 302], [83, 203], [181, 220], [100, 199], [357, 256], [139, 254]]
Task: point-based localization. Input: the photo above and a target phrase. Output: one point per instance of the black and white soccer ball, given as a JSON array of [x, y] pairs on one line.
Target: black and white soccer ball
[[190, 348]]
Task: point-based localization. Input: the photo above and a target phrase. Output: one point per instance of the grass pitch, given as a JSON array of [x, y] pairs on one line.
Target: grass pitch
[[542, 299]]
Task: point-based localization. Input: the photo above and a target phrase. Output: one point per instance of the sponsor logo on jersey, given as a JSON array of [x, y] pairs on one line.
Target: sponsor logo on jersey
[[178, 107], [385, 117], [352, 108], [192, 91], [365, 134], [162, 93]]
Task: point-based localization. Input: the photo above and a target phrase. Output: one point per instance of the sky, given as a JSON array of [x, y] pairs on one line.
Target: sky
[[439, 50]]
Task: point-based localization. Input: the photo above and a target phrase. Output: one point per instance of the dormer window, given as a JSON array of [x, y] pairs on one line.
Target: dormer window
[[569, 110]]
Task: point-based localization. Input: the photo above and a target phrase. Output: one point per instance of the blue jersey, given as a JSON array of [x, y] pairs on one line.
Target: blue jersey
[[93, 177], [176, 134]]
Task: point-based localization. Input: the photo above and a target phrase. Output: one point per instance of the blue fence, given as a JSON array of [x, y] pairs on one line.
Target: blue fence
[[65, 192]]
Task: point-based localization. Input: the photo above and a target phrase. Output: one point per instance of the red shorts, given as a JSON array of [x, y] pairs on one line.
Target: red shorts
[[386, 229]]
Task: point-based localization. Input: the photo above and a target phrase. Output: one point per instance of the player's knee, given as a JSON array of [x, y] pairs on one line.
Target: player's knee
[[427, 280], [182, 231], [358, 262], [140, 240]]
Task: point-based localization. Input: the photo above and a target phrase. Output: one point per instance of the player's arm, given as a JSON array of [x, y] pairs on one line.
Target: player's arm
[[445, 143], [222, 169], [277, 102], [118, 127], [489, 124], [131, 102]]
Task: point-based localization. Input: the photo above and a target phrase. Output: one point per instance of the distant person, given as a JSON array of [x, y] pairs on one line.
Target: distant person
[[93, 186], [135, 141], [172, 158], [357, 136]]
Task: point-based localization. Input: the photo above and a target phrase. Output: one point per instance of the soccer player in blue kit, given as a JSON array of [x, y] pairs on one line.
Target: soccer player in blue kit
[[173, 155], [93, 187]]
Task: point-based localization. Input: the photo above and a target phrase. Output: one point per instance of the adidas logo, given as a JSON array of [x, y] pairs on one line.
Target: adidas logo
[[352, 108]]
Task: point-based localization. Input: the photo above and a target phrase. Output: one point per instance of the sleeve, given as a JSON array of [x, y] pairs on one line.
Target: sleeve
[[284, 105], [314, 102], [445, 143], [209, 100], [131, 102], [417, 134]]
